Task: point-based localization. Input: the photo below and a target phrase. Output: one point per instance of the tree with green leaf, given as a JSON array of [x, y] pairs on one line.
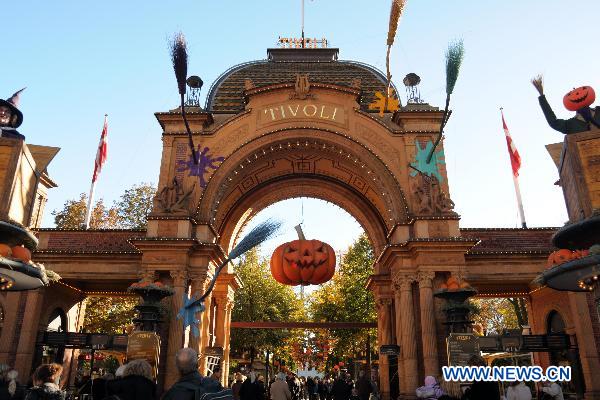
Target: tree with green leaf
[[261, 298], [111, 315], [346, 299], [495, 315], [130, 212]]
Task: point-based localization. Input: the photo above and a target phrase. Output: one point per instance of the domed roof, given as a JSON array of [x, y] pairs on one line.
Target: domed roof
[[226, 95]]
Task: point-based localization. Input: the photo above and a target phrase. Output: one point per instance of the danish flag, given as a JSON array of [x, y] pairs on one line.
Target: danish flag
[[102, 151], [515, 158]]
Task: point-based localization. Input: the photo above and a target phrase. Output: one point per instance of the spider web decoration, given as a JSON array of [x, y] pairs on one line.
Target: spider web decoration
[[385, 104], [428, 168], [206, 162]]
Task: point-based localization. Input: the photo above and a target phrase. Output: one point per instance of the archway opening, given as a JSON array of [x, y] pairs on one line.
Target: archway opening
[[315, 349]]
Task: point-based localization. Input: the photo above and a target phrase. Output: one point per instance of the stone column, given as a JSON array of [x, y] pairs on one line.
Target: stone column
[[384, 327], [428, 331], [11, 307], [226, 348], [406, 318], [175, 325], [205, 332], [199, 282], [29, 330]]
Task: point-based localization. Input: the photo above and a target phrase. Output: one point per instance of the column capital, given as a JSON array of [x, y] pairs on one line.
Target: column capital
[[425, 278], [179, 277], [383, 302], [403, 280], [198, 276]]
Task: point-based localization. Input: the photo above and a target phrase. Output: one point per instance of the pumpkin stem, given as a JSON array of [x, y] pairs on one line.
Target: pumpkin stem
[[300, 233]]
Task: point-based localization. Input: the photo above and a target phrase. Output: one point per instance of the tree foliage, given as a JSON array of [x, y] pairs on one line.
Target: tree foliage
[[496, 314], [109, 314], [129, 212], [346, 299], [261, 298]]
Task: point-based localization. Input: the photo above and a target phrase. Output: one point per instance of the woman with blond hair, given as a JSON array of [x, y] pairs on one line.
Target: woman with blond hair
[[45, 380], [452, 390], [137, 382]]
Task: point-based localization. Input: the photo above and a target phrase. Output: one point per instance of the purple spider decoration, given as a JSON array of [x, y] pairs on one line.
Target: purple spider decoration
[[205, 161]]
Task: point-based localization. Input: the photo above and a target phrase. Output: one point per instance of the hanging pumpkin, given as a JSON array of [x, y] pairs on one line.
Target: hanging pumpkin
[[303, 262], [559, 256], [579, 98]]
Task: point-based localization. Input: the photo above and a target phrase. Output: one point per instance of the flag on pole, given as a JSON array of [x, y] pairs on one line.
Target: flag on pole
[[99, 162], [102, 151], [515, 158], [515, 162]]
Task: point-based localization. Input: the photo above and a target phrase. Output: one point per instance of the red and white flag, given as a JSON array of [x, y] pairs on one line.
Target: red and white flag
[[515, 158], [515, 162], [102, 151]]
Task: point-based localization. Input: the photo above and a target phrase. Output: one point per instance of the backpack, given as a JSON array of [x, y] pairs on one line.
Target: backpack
[[201, 394]]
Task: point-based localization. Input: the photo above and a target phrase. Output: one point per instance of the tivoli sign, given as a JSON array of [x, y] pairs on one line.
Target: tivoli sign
[[302, 110]]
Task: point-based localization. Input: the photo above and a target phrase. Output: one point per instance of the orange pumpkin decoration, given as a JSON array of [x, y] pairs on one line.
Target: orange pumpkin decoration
[[21, 253], [579, 98], [303, 262], [581, 253], [5, 250], [465, 285], [560, 256]]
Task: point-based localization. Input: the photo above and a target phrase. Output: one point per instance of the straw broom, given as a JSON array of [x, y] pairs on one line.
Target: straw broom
[[454, 57], [179, 58], [395, 13]]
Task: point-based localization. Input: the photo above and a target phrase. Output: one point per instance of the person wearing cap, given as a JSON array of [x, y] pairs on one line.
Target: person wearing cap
[[11, 117]]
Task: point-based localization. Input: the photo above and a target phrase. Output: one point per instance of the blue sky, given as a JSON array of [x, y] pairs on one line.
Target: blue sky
[[80, 60]]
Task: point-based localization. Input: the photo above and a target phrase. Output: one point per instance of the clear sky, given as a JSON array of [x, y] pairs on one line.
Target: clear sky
[[80, 60]]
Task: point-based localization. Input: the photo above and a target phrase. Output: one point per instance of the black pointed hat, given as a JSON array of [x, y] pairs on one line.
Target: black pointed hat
[[13, 103]]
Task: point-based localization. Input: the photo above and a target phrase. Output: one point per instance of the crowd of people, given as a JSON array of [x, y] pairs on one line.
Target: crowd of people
[[292, 387], [135, 381]]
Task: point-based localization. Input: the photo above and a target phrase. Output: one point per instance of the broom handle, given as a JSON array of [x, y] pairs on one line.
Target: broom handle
[[189, 131], [443, 124]]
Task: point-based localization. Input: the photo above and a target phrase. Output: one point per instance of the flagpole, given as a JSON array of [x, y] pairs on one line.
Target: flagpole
[[97, 167], [88, 213], [519, 202], [515, 174]]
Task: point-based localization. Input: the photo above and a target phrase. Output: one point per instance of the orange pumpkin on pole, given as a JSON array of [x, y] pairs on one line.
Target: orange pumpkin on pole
[[303, 262]]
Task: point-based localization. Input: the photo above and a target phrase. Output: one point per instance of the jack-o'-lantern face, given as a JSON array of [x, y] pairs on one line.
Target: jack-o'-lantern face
[[579, 98], [303, 262]]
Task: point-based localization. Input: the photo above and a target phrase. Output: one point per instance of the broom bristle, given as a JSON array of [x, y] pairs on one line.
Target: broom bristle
[[538, 83], [454, 57], [256, 236], [395, 13], [179, 58]]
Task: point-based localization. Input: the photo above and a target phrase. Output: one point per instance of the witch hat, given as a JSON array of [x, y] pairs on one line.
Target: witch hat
[[13, 102]]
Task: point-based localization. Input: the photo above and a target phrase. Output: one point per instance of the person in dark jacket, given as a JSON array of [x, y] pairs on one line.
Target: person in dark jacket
[[137, 382], [191, 381], [341, 390], [363, 386], [251, 389], [9, 387], [45, 380], [482, 390], [235, 388]]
